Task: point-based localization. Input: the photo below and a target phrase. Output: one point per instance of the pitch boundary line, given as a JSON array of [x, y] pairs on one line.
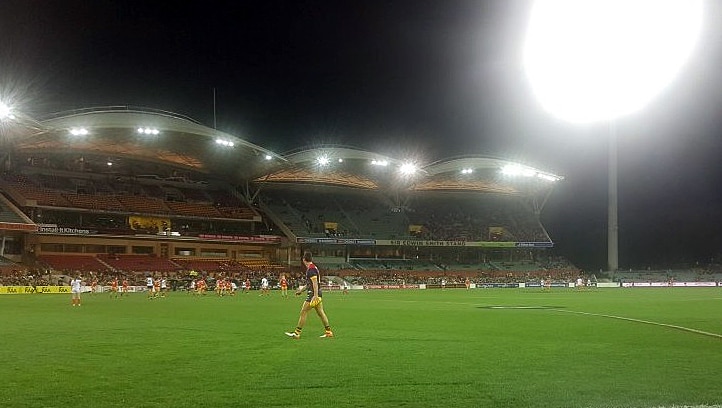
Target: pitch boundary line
[[693, 406], [630, 319]]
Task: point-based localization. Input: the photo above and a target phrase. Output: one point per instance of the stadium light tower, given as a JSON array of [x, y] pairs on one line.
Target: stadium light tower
[[597, 60]]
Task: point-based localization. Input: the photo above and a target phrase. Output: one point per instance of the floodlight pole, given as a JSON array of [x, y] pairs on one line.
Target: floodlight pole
[[612, 216]]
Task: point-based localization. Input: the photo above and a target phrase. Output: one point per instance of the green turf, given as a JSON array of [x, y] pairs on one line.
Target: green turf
[[393, 348]]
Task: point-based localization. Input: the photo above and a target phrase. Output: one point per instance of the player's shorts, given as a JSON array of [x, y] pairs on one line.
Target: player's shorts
[[309, 296]]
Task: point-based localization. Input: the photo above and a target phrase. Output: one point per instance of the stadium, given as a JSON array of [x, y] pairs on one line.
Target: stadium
[[118, 190], [126, 193]]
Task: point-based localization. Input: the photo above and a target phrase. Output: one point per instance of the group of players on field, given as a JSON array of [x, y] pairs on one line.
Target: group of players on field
[[114, 290], [158, 287]]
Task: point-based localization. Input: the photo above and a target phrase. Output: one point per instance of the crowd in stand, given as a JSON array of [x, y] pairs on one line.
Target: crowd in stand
[[23, 278], [440, 220]]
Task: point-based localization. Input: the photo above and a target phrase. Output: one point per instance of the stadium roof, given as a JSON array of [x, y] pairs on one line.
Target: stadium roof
[[147, 135]]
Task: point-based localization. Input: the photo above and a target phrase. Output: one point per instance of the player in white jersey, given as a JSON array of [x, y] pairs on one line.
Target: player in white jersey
[[149, 286], [75, 287]]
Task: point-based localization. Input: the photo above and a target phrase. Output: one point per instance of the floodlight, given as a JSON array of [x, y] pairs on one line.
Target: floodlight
[[323, 161], [600, 59], [148, 131], [79, 131], [268, 157], [408, 169], [5, 112], [517, 170], [467, 171], [597, 60], [226, 143], [382, 163]]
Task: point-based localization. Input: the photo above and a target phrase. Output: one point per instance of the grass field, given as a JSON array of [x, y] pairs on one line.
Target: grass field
[[600, 348]]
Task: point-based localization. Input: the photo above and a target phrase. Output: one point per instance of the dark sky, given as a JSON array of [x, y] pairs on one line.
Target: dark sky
[[431, 78]]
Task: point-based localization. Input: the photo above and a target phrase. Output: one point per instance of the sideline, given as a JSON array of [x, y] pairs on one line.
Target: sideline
[[671, 326]]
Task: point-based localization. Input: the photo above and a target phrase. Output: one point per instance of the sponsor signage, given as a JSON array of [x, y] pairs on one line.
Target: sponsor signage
[[476, 244], [52, 289], [336, 241], [54, 229], [539, 285], [534, 244], [241, 238], [391, 286], [422, 243], [497, 285], [17, 290], [413, 242], [666, 284]]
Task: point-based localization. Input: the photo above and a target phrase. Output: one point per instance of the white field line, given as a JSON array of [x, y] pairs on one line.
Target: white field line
[[693, 406], [629, 319]]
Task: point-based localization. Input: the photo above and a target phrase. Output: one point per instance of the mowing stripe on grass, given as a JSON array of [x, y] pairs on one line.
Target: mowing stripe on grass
[[672, 326]]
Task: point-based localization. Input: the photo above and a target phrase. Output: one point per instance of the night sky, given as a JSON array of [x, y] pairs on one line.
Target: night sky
[[434, 79]]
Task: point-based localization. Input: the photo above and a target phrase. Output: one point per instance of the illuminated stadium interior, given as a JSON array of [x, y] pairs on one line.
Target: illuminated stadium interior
[[139, 190]]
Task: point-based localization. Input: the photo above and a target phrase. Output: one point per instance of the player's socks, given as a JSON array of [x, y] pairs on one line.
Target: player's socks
[[327, 332]]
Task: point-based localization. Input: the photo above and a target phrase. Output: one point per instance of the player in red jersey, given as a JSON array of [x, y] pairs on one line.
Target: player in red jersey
[[284, 286], [220, 287], [247, 286], [124, 290], [201, 286], [313, 299], [156, 287], [114, 287]]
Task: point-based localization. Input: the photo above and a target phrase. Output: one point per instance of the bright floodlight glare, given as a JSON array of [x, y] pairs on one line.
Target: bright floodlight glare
[[78, 131], [381, 163], [547, 177], [596, 60], [407, 169], [148, 131], [226, 143], [5, 112], [517, 170], [268, 157], [323, 161], [467, 171]]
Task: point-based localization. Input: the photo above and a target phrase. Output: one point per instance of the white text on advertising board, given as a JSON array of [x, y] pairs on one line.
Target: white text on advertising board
[[404, 242]]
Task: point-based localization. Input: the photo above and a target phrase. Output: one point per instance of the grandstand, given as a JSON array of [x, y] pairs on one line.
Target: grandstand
[[146, 191]]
